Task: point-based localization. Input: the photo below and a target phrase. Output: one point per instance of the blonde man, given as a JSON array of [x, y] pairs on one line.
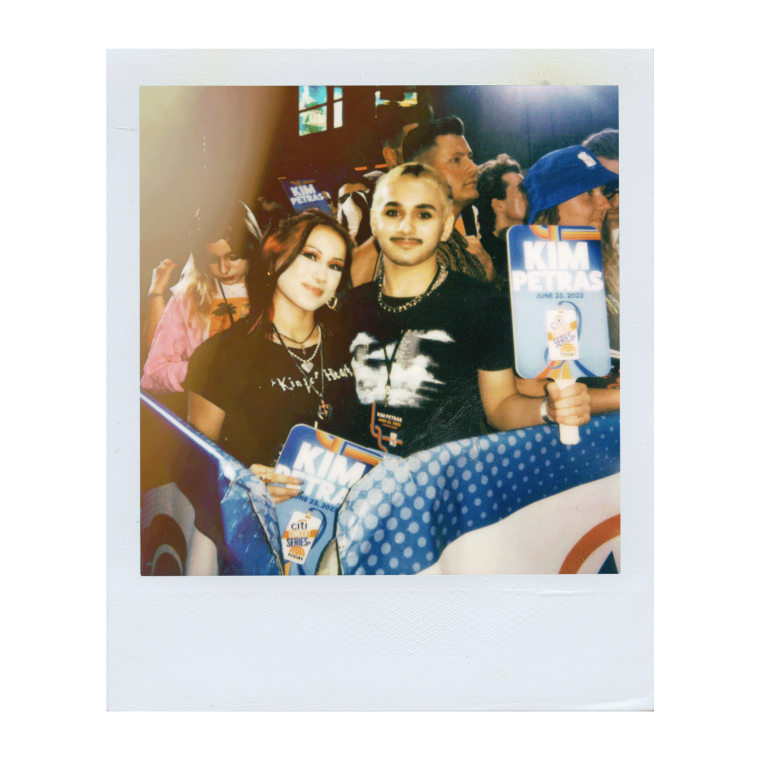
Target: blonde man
[[431, 348]]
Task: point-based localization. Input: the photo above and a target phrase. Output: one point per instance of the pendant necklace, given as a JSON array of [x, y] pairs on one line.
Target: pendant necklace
[[324, 410], [306, 364]]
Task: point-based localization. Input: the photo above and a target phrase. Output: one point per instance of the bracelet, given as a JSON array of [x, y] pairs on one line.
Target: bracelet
[[544, 412]]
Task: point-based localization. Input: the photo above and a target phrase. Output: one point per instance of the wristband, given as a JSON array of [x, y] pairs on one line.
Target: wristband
[[544, 412]]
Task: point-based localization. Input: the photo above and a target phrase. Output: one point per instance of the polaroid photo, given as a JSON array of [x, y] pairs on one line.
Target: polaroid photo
[[345, 320]]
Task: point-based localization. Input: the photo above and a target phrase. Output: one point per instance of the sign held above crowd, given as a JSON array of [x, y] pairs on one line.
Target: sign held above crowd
[[559, 312]]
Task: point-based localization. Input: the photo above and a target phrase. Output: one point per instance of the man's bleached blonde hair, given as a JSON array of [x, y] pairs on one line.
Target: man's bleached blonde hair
[[418, 171]]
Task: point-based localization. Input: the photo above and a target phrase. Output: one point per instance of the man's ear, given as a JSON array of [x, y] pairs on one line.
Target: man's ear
[[448, 226], [373, 221], [390, 156], [497, 205]]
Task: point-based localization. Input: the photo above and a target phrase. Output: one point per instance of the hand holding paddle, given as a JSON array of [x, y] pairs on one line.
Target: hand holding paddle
[[281, 487], [568, 404]]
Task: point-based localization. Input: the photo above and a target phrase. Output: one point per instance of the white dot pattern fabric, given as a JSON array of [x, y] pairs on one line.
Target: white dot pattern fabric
[[428, 500]]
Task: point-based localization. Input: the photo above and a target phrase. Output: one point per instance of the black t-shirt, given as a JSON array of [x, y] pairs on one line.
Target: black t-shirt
[[263, 393], [461, 327], [497, 250]]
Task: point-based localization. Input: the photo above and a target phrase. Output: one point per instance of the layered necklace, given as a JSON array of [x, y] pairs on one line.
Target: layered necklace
[[440, 276], [306, 365]]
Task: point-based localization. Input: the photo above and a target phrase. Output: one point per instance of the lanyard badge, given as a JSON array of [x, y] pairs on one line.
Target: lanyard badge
[[385, 426]]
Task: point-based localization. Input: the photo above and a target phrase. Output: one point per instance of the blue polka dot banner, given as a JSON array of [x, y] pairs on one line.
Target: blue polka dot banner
[[403, 516], [515, 502]]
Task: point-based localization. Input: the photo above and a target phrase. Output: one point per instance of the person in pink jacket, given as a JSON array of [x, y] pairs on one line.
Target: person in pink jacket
[[210, 296]]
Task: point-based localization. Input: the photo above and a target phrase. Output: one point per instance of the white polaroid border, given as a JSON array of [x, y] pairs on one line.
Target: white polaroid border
[[379, 643]]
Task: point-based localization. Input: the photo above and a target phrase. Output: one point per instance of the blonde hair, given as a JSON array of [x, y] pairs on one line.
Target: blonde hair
[[610, 261], [422, 172], [200, 286]]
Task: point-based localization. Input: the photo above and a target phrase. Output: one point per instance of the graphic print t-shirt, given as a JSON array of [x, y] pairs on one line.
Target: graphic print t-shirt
[[262, 392], [237, 304], [460, 328]]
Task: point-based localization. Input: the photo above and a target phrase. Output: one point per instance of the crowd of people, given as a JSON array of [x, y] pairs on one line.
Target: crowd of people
[[388, 323]]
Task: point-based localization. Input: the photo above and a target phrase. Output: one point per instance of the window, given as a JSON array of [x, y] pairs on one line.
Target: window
[[319, 108]]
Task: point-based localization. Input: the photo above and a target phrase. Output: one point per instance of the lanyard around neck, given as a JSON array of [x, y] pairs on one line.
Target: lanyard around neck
[[389, 365]]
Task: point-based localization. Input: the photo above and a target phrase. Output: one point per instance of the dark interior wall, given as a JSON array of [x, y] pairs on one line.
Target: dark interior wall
[[234, 142], [525, 122], [528, 122], [330, 155]]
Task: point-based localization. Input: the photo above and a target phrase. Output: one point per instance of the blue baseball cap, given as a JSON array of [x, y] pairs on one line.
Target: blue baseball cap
[[561, 175]]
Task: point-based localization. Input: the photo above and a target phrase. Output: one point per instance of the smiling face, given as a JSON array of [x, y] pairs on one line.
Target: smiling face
[[313, 277], [410, 216], [584, 210], [452, 158], [225, 264]]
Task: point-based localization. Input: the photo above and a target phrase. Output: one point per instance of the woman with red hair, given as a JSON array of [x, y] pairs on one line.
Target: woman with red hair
[[286, 362]]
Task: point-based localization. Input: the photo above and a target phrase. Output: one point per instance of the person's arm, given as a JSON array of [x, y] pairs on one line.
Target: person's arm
[[209, 419], [475, 247], [603, 400], [156, 307], [166, 366], [159, 282], [363, 261], [507, 409], [205, 416]]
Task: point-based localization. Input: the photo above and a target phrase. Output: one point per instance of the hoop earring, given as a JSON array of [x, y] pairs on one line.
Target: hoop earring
[[333, 303]]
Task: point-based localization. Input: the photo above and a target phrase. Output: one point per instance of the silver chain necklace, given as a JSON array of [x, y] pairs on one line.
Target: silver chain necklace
[[307, 365], [440, 276]]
